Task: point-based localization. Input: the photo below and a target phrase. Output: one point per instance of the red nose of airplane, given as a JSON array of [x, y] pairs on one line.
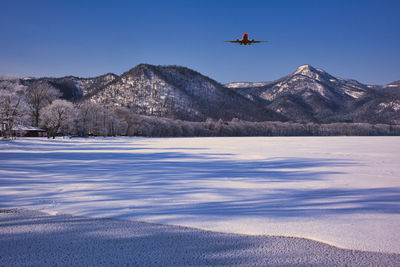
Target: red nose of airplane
[[245, 35]]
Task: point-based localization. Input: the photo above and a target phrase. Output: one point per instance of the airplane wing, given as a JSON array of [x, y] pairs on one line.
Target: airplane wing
[[256, 42], [233, 41]]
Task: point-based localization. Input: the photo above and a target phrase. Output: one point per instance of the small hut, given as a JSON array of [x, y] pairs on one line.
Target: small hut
[[28, 131]]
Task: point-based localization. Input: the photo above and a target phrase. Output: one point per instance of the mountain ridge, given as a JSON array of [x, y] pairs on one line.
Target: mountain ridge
[[308, 94], [177, 92], [312, 95]]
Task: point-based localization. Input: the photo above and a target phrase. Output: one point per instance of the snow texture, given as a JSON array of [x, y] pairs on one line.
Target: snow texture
[[343, 191], [246, 84], [35, 239]]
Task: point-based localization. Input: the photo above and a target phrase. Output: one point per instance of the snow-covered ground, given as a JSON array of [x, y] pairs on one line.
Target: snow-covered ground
[[31, 238], [339, 190]]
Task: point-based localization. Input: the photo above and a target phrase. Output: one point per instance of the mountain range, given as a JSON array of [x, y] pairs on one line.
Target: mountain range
[[307, 95], [311, 94]]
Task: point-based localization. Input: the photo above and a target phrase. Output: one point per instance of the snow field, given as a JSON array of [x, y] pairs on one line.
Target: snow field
[[30, 238], [343, 191]]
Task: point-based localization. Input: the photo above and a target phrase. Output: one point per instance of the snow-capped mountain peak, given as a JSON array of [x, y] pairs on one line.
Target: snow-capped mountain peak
[[312, 94], [304, 69], [309, 71]]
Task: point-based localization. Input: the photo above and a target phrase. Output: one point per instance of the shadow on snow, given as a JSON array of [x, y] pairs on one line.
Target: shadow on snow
[[165, 181]]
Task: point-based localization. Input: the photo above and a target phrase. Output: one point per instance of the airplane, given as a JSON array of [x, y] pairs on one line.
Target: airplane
[[245, 40]]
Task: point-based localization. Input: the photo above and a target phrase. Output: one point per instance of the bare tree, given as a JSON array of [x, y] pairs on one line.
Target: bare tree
[[59, 115], [127, 119], [39, 95], [13, 107], [94, 119], [88, 113]]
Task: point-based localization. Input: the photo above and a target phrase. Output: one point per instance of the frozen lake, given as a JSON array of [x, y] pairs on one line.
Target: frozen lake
[[343, 191]]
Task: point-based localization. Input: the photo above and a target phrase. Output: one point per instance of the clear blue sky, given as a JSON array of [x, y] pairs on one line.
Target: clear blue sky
[[349, 38]]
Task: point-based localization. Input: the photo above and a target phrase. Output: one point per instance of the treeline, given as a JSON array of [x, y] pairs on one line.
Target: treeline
[[140, 125], [91, 119], [39, 105]]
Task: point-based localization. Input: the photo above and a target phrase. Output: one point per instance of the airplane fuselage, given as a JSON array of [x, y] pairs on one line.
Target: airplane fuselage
[[245, 37], [245, 40]]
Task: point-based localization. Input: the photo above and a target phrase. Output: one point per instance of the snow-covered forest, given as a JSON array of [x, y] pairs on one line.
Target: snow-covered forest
[[39, 105]]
